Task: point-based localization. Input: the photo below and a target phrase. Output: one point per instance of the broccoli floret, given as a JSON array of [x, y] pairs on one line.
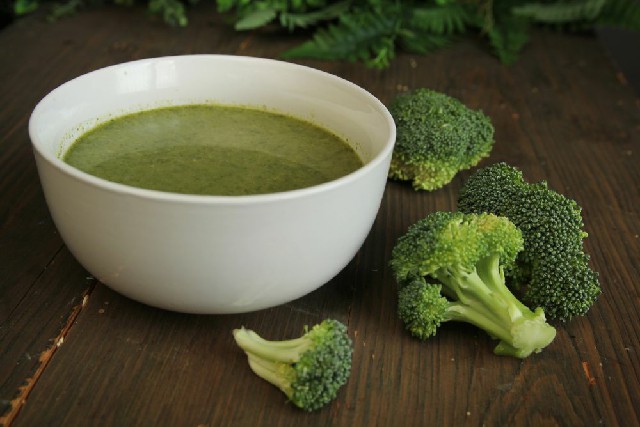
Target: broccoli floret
[[449, 267], [310, 369], [437, 136], [553, 270]]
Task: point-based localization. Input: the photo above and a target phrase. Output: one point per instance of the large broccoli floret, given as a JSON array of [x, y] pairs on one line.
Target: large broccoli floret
[[449, 267], [553, 270], [310, 369], [437, 136]]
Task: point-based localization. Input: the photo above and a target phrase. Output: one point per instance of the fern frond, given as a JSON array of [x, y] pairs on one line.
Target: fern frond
[[308, 19], [255, 19], [508, 37], [446, 19], [227, 5], [172, 11], [620, 13], [362, 35], [23, 7], [422, 43], [485, 13], [560, 12]]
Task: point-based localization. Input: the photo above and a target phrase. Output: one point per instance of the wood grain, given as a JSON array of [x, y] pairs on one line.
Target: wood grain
[[560, 114]]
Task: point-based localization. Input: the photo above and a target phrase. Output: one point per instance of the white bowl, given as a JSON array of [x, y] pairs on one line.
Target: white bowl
[[212, 254]]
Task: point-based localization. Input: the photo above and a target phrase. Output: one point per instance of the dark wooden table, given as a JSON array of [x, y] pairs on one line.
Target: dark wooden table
[[72, 352]]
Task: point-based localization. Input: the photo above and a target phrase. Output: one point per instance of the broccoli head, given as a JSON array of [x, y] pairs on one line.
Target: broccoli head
[[449, 267], [553, 269], [437, 136], [310, 369]]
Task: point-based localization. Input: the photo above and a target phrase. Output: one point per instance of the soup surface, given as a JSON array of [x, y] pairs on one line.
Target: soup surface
[[213, 150]]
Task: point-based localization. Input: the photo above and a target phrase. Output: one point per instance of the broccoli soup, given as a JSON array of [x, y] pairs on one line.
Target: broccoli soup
[[212, 150]]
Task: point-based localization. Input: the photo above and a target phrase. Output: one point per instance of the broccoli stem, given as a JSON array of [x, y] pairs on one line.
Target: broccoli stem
[[287, 351], [490, 271], [484, 300], [529, 335], [273, 372], [476, 306]]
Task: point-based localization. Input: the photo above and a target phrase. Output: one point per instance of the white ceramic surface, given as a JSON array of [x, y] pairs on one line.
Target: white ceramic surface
[[212, 254]]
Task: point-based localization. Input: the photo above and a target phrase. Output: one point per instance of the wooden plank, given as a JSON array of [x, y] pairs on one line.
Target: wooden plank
[[560, 114], [36, 326], [40, 282]]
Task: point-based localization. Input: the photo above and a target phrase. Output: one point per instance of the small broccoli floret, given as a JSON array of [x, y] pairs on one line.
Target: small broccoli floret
[[310, 369], [553, 270], [437, 136], [449, 267]]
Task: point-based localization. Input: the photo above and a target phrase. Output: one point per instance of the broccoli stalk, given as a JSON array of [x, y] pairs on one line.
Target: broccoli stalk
[[310, 369], [437, 137], [449, 267], [552, 271]]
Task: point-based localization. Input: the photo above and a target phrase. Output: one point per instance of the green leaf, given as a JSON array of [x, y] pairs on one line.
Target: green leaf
[[370, 31], [172, 11], [364, 35], [446, 19], [560, 12], [422, 43], [620, 13], [22, 7], [309, 19], [255, 19], [508, 38], [227, 5]]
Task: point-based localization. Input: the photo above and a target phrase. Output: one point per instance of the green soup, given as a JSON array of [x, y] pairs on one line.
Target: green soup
[[214, 150]]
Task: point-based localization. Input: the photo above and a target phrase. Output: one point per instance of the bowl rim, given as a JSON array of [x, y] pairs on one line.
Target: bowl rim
[[158, 195]]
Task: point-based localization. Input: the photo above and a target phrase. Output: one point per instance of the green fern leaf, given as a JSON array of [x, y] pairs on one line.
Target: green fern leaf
[[227, 5], [508, 37], [446, 19], [23, 7], [309, 19], [560, 12], [422, 43], [255, 19], [620, 13], [366, 36], [172, 11]]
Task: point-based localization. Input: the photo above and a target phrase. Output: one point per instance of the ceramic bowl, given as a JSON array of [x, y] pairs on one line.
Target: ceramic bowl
[[212, 254]]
